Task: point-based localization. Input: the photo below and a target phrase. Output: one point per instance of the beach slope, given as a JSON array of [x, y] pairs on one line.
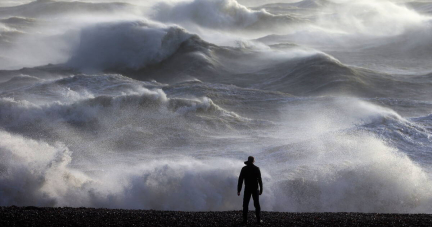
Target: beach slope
[[35, 216]]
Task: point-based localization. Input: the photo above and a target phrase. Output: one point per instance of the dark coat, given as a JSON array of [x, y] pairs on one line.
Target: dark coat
[[251, 175]]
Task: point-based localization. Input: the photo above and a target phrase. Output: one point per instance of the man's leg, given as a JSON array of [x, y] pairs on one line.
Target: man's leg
[[246, 199], [255, 196]]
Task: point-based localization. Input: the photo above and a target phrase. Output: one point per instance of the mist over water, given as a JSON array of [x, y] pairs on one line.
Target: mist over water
[[156, 104]]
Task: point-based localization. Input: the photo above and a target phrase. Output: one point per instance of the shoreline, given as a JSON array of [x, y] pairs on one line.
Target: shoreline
[[67, 216]]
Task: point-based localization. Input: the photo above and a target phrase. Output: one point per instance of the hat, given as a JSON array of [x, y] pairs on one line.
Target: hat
[[250, 160]]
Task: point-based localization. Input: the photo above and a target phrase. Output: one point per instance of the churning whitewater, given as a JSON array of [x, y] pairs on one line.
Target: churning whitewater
[[156, 104]]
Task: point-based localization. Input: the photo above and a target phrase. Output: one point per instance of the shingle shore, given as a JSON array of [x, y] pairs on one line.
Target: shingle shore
[[34, 216]]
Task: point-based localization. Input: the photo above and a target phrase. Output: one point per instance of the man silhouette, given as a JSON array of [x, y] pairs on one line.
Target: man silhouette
[[251, 175]]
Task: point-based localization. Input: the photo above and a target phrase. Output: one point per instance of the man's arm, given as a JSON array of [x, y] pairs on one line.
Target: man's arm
[[240, 182], [260, 181]]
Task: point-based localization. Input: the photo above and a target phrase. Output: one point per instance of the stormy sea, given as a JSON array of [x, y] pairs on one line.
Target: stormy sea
[[156, 104]]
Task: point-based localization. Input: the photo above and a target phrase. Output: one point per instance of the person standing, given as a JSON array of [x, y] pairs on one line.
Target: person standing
[[251, 175]]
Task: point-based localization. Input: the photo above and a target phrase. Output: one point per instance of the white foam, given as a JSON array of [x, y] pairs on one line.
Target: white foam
[[219, 14], [374, 18], [35, 173], [357, 173]]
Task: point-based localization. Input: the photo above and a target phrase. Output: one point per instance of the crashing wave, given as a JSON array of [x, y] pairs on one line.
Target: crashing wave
[[220, 14], [126, 45]]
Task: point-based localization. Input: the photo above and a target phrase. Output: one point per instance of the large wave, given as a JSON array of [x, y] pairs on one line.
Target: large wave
[[131, 45], [220, 14], [302, 170], [28, 177]]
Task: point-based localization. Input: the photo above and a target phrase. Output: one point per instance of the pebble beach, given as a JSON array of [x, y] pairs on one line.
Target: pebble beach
[[36, 216]]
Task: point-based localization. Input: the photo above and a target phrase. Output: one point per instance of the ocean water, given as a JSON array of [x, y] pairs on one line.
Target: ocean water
[[156, 104]]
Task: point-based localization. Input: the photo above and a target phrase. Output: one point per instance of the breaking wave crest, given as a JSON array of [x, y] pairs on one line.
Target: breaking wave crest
[[130, 45], [36, 173], [28, 177], [220, 14]]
